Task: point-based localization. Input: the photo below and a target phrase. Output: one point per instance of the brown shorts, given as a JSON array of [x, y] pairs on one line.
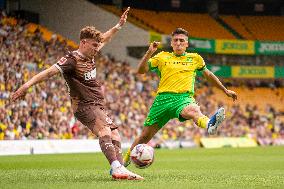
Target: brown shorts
[[89, 114]]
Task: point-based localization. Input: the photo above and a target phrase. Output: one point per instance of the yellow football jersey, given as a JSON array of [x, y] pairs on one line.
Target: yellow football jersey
[[177, 72]]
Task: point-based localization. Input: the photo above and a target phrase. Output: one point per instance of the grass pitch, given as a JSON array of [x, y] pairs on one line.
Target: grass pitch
[[183, 168]]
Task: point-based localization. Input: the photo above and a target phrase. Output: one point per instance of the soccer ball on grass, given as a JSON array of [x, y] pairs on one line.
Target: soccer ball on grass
[[142, 156]]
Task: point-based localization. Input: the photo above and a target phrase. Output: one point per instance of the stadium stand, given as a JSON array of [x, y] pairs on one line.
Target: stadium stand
[[257, 27], [265, 27], [199, 25], [236, 23], [204, 26], [45, 113]]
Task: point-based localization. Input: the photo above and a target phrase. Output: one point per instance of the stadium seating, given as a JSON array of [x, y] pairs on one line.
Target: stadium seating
[[257, 27], [46, 113], [265, 27], [199, 25], [47, 34], [237, 25], [260, 97], [204, 26], [131, 18]]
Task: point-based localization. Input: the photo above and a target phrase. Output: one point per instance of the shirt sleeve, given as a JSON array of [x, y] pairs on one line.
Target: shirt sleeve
[[200, 63], [65, 64], [154, 62]]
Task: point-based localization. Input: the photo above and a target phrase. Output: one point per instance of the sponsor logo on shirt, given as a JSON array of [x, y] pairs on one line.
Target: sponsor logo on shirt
[[90, 75], [184, 63]]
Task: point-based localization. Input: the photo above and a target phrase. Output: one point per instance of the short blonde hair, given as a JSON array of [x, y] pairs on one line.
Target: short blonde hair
[[90, 32]]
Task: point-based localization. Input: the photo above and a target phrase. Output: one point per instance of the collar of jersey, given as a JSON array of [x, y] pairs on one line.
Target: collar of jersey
[[183, 54], [83, 56]]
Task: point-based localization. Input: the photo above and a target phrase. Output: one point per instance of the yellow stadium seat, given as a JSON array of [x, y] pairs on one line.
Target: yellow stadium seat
[[265, 27], [237, 25], [260, 97]]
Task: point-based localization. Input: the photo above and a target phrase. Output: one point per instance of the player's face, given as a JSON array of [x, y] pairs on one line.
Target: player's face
[[179, 43], [91, 47]]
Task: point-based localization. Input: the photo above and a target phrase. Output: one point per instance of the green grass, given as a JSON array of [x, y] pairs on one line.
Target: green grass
[[186, 168]]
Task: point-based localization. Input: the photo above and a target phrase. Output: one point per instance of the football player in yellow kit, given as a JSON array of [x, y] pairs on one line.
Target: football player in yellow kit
[[177, 71]]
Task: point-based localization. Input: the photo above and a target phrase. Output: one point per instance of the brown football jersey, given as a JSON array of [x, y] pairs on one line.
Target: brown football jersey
[[80, 73]]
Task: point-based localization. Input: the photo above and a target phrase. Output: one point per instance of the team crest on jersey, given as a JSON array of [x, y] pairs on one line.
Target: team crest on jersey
[[189, 59], [62, 61]]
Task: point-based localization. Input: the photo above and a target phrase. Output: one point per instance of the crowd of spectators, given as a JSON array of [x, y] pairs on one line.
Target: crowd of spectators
[[45, 112]]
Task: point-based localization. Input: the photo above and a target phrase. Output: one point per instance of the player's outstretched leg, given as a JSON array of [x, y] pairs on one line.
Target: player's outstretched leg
[[105, 136], [116, 141], [117, 145], [215, 121], [126, 158], [119, 172]]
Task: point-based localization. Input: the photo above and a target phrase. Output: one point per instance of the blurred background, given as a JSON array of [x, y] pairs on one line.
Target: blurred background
[[242, 42]]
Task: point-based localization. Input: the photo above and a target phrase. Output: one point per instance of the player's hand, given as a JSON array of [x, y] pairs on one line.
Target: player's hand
[[20, 93], [154, 46], [123, 17], [231, 94]]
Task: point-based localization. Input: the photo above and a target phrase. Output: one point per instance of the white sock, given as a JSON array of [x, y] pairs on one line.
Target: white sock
[[115, 164], [207, 123]]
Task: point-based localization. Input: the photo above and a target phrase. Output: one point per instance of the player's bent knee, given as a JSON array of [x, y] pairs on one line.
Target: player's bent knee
[[195, 110], [190, 111], [103, 131], [115, 135]]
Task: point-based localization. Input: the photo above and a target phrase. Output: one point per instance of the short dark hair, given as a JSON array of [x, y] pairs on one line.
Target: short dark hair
[[180, 31], [90, 32]]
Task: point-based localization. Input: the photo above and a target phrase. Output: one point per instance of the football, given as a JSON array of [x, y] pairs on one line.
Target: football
[[142, 156]]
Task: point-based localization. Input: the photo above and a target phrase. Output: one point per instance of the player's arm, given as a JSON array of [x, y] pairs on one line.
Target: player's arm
[[143, 64], [106, 37], [44, 75], [213, 79]]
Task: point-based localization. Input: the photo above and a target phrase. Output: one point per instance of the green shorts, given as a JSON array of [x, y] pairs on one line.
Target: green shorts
[[168, 106]]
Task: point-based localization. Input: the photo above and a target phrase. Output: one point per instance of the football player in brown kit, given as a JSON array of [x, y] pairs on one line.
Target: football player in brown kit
[[79, 71]]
